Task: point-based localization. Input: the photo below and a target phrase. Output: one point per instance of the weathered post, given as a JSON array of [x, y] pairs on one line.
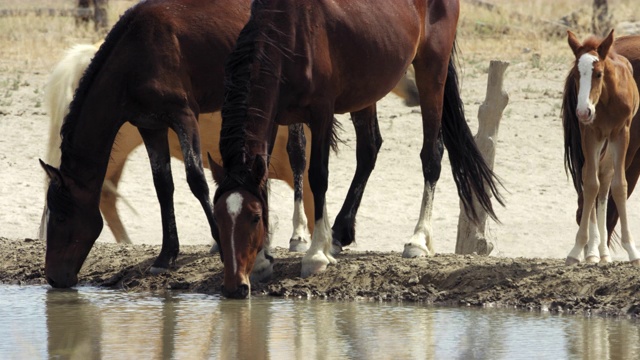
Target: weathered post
[[471, 236]]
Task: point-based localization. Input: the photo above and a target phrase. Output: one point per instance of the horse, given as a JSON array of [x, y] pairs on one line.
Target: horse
[[157, 71], [58, 93], [599, 102], [303, 61]]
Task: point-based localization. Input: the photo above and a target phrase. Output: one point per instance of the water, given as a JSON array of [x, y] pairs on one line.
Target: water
[[89, 323]]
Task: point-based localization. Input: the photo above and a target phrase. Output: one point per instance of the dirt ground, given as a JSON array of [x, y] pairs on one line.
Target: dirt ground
[[526, 283], [526, 269]]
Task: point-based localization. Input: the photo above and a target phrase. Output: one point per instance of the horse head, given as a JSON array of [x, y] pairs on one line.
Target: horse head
[[241, 213], [73, 223], [589, 73]]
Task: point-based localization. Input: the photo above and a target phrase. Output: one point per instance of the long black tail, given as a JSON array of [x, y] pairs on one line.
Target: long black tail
[[573, 157], [472, 174]]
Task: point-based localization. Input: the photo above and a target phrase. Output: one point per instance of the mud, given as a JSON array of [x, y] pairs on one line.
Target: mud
[[446, 279]]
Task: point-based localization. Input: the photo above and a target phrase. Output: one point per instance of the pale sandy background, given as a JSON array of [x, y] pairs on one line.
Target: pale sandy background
[[538, 220]]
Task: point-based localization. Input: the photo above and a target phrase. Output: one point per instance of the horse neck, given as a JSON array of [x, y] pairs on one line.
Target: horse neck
[[86, 145], [618, 89]]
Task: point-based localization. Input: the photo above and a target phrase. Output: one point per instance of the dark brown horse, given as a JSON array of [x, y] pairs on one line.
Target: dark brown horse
[[303, 61], [600, 100], [629, 47], [160, 67]]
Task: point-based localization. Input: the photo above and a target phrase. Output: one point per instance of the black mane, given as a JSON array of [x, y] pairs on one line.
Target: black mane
[[101, 56]]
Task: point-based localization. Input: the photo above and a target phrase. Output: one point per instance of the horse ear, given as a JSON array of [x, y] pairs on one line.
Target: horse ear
[[216, 170], [53, 173], [574, 43], [260, 170], [605, 45]]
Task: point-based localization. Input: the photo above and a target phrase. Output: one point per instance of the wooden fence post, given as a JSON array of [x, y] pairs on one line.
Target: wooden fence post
[[471, 236]]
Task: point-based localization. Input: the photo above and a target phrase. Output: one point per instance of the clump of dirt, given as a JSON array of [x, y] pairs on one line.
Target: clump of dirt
[[533, 284]]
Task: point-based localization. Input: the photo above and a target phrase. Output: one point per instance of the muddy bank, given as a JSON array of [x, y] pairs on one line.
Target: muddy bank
[[533, 284]]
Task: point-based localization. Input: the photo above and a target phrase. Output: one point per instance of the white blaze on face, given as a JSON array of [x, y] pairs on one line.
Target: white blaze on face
[[585, 67], [234, 205]]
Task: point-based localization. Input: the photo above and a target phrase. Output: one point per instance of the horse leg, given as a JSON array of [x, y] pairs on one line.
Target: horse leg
[[126, 141], [189, 137], [156, 143], [108, 208], [597, 249], [318, 257], [368, 143], [591, 149], [296, 147], [431, 66], [632, 174], [619, 193]]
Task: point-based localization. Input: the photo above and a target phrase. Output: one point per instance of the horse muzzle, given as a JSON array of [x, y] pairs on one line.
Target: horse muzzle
[[62, 280]]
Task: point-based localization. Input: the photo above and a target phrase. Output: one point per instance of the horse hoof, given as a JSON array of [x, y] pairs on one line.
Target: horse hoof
[[298, 245], [591, 259], [414, 251], [571, 261], [158, 270], [262, 273], [605, 260], [635, 263], [314, 265], [336, 248], [214, 248]]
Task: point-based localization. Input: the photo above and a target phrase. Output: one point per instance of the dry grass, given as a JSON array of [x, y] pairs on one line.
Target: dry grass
[[36, 43], [516, 32]]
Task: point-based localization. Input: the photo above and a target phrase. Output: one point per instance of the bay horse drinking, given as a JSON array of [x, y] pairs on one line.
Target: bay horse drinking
[[58, 93], [158, 71], [302, 61], [599, 103]]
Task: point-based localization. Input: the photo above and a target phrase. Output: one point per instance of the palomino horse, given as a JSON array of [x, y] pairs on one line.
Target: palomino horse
[[159, 72], [599, 103], [303, 60], [59, 91]]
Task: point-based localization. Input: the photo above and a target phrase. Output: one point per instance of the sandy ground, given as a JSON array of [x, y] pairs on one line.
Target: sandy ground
[[537, 226]]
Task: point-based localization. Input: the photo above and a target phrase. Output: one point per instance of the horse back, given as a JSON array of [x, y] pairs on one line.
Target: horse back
[[173, 51], [348, 52]]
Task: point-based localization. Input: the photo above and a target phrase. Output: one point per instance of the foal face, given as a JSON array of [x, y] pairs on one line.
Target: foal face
[[589, 68], [590, 75], [241, 234]]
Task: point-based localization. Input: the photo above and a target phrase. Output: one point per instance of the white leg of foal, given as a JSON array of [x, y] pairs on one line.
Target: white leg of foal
[[592, 254], [605, 256], [318, 257], [421, 243], [299, 241]]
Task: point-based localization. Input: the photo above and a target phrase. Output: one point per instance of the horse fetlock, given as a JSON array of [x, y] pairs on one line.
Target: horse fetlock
[[298, 244]]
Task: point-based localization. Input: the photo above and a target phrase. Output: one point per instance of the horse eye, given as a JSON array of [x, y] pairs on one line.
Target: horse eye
[[256, 219], [599, 74]]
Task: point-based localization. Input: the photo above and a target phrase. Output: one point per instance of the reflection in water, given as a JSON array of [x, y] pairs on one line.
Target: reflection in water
[[90, 323]]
